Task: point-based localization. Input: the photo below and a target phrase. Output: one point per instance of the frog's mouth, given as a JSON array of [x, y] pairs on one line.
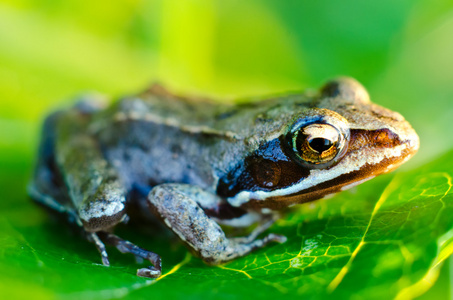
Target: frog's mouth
[[370, 153]]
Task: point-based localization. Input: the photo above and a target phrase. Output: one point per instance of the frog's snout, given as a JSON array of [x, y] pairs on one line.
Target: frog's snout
[[401, 136], [408, 137]]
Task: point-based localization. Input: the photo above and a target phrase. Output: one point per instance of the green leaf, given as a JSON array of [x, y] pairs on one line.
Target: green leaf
[[379, 241], [386, 239]]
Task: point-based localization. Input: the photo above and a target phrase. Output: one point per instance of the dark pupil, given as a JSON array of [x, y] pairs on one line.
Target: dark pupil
[[320, 145]]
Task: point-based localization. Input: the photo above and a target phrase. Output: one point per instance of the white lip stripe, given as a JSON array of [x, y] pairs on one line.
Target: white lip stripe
[[351, 163], [351, 185]]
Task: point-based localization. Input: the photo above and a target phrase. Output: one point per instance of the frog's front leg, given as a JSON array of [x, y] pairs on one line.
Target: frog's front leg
[[178, 206]]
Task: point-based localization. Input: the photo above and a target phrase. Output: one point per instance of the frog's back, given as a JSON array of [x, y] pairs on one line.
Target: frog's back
[[157, 137]]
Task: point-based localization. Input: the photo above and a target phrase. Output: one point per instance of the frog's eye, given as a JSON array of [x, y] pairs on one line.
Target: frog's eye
[[317, 143]]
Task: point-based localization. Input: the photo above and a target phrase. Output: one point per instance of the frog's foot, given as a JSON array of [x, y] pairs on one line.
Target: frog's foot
[[251, 242], [127, 247], [263, 226], [237, 247]]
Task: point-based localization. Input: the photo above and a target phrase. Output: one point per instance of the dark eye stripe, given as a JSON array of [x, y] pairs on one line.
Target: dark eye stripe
[[241, 178]]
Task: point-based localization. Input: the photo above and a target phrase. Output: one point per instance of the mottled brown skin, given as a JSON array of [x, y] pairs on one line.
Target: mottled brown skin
[[195, 164]]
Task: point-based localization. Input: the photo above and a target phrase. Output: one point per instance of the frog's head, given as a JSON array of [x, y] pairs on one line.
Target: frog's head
[[341, 141]]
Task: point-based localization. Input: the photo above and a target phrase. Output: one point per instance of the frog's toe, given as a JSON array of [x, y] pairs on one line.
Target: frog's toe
[[150, 272], [94, 238], [276, 238], [260, 243]]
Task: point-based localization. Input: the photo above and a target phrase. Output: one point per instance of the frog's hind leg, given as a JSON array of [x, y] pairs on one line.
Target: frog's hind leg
[[178, 207], [90, 194], [98, 194], [47, 187]]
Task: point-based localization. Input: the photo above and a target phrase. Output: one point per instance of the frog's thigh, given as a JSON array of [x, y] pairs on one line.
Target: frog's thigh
[[176, 206], [93, 184], [46, 187]]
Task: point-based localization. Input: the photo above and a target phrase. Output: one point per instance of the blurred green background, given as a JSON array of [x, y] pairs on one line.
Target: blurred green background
[[51, 51]]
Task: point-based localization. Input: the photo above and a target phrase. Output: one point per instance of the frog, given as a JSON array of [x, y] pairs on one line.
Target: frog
[[197, 165]]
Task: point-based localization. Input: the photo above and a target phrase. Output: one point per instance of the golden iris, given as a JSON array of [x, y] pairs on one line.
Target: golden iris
[[317, 143]]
